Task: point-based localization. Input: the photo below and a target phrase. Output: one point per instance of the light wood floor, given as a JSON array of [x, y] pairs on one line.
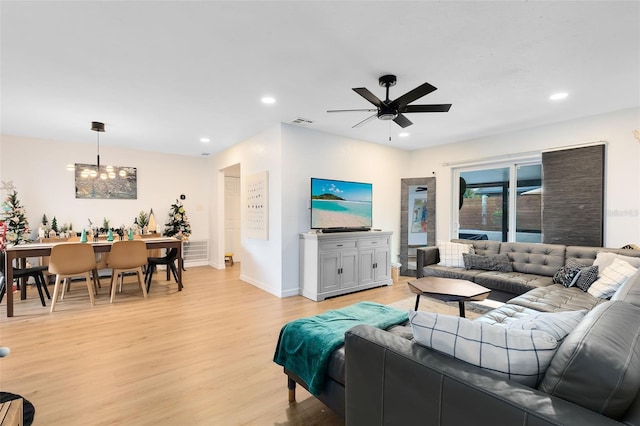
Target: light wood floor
[[202, 356]]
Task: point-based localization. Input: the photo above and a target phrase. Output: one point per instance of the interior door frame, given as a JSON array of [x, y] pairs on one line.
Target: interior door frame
[[430, 183]]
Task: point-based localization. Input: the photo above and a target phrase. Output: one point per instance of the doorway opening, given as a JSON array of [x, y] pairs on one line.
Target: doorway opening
[[232, 222]]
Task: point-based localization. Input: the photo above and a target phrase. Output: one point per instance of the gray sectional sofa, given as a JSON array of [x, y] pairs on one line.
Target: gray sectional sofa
[[534, 265], [593, 378], [383, 377]]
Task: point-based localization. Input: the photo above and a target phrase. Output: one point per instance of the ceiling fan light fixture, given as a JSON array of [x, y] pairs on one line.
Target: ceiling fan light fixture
[[387, 115]]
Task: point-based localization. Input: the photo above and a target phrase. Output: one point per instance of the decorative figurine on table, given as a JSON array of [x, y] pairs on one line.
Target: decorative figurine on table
[[110, 235], [130, 234], [96, 233], [83, 236]]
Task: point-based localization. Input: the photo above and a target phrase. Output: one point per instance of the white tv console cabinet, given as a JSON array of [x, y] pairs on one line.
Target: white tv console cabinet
[[343, 262]]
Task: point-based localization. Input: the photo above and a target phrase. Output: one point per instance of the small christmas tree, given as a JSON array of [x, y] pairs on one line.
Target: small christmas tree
[[54, 224], [178, 225], [15, 220]]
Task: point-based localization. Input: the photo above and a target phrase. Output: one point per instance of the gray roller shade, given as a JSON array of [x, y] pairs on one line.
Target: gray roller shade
[[573, 196]]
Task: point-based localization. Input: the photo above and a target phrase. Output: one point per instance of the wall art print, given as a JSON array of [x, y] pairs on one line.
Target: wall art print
[[257, 206], [123, 183]]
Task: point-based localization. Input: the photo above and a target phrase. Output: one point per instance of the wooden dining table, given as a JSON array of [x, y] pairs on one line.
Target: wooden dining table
[[24, 251]]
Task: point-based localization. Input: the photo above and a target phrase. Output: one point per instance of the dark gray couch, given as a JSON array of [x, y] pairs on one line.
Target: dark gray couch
[[533, 264], [594, 378], [392, 380]]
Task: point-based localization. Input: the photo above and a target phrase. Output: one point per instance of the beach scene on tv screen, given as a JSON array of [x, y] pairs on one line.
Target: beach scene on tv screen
[[340, 204]]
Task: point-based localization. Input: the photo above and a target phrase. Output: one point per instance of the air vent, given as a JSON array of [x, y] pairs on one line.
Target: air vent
[[302, 121], [196, 252]]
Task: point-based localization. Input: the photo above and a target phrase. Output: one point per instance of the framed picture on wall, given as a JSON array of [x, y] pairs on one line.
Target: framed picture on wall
[[109, 182], [257, 206]]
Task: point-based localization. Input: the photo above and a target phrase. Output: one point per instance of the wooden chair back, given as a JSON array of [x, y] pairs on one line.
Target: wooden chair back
[[127, 254], [71, 258]]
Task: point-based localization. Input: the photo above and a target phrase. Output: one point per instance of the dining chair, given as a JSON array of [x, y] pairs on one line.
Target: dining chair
[[36, 272], [101, 263], [127, 256], [68, 260], [169, 260]]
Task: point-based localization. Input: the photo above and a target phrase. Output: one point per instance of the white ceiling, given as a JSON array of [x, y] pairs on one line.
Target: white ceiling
[[163, 74]]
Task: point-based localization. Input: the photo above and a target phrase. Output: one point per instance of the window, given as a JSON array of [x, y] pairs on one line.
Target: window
[[500, 203]]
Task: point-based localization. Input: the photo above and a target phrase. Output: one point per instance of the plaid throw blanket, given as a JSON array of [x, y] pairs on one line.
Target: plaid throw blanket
[[305, 345]]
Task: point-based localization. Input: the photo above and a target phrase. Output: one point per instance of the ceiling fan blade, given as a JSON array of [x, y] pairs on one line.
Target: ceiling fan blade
[[365, 93], [402, 121], [427, 108], [412, 95], [353, 110], [371, 117]]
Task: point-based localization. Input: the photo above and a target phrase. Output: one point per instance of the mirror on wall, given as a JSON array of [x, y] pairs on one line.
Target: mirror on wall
[[418, 220]]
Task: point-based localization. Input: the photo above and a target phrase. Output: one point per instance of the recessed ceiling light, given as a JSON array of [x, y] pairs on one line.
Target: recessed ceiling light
[[268, 100], [205, 140], [403, 134], [558, 96]]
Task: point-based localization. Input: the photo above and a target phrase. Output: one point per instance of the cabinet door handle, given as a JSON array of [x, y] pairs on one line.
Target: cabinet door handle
[[339, 270], [375, 265], [339, 245]]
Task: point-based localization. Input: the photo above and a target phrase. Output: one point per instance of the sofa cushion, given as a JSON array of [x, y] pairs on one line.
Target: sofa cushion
[[611, 279], [506, 314], [520, 355], [557, 324], [534, 258], [512, 282], [482, 247], [496, 262], [587, 255], [450, 272], [598, 365], [451, 253], [556, 298]]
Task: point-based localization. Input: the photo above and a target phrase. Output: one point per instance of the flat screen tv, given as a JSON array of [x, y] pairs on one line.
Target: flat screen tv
[[341, 205]]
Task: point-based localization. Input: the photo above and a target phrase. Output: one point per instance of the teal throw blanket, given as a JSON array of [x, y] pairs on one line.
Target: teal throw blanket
[[305, 345]]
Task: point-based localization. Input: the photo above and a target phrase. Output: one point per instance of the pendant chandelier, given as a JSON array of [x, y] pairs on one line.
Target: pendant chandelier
[[96, 170]]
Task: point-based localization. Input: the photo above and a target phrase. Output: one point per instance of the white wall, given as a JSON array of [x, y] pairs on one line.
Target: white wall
[[38, 170], [622, 185], [261, 259], [292, 155], [309, 153]]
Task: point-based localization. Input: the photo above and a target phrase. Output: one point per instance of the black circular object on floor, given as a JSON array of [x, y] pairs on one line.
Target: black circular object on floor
[[28, 410]]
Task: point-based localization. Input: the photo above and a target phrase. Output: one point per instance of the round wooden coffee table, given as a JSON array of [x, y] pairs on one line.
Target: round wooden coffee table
[[448, 290]]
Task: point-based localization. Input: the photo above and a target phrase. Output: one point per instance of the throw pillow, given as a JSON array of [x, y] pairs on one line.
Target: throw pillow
[[611, 279], [567, 274], [587, 276], [520, 355], [605, 258], [557, 324], [623, 290], [451, 253], [498, 262]]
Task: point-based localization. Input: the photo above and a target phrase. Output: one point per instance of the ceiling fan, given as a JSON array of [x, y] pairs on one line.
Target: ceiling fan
[[395, 110]]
